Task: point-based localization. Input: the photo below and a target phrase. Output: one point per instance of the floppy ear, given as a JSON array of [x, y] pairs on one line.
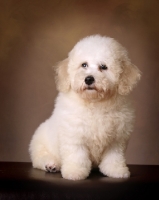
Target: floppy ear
[[62, 77], [129, 78]]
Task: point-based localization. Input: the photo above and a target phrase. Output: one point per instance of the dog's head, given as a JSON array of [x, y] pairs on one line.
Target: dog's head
[[97, 68]]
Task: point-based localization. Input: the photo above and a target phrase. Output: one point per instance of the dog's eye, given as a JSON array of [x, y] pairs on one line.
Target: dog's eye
[[84, 65], [103, 67]]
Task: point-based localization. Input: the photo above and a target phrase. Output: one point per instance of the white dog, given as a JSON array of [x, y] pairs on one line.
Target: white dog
[[92, 119]]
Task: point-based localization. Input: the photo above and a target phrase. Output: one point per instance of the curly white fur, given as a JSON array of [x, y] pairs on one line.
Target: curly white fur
[[91, 123]]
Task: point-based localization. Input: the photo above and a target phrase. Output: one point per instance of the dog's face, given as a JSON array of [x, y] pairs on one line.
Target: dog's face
[[97, 68]]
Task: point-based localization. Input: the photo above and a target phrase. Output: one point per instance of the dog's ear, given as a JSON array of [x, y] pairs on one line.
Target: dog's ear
[[62, 77], [129, 77]]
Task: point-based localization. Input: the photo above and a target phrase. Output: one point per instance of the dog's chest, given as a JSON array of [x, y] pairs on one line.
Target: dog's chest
[[98, 132], [98, 124]]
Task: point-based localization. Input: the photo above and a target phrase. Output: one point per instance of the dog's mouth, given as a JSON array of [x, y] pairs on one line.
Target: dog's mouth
[[90, 88]]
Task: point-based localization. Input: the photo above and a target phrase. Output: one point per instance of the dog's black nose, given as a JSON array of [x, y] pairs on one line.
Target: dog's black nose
[[89, 80]]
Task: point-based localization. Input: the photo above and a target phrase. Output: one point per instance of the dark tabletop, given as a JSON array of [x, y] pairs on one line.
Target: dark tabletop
[[21, 181]]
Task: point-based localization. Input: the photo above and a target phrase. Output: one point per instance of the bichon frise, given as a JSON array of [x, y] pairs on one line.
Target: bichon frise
[[92, 120]]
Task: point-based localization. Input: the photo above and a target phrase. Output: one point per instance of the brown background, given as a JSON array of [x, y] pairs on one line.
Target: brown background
[[35, 34]]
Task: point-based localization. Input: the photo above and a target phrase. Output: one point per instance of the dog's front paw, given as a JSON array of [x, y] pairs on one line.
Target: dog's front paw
[[115, 171], [74, 173]]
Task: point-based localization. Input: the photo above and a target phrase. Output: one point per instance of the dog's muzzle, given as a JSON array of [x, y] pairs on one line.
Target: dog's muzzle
[[89, 80]]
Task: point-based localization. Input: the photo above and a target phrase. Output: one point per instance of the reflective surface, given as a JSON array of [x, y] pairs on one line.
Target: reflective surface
[[21, 181]]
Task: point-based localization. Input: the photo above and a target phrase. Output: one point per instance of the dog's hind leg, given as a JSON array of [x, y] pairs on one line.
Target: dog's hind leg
[[44, 152]]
